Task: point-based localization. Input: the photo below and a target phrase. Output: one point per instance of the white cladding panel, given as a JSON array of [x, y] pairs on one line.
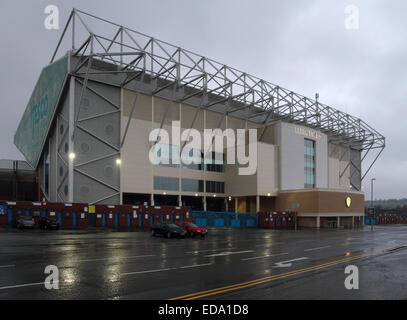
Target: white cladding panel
[[291, 142]]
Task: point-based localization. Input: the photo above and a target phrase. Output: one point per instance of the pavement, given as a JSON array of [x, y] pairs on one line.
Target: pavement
[[239, 264]]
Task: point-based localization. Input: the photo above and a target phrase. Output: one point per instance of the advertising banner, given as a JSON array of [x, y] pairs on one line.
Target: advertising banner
[[3, 210], [34, 125]]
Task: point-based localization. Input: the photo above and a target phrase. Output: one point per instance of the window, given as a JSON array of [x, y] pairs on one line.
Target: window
[[165, 183], [194, 159], [215, 187], [309, 164], [216, 165], [161, 152], [191, 185]]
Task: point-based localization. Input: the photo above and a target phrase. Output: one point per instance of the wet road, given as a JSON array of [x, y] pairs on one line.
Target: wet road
[[229, 264]]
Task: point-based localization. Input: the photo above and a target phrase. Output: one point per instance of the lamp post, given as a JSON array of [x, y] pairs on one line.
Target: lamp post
[[371, 203]]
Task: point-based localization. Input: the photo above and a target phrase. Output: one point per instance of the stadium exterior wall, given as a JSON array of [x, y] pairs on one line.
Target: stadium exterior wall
[[92, 124]]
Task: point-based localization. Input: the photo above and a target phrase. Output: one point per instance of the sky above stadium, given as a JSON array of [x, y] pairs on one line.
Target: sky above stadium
[[303, 46]]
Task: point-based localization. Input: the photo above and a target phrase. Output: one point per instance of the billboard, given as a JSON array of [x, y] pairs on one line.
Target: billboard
[[34, 125]]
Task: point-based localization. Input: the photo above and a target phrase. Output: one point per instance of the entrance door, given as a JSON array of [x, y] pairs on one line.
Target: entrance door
[[92, 219]]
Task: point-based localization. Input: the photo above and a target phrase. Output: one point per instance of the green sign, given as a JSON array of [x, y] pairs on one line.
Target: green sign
[[34, 125]]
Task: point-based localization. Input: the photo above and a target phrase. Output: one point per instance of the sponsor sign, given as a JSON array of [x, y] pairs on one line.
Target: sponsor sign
[[348, 202], [36, 121], [308, 133]]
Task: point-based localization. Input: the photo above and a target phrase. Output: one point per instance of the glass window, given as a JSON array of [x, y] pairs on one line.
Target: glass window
[[309, 164], [194, 165], [191, 185], [215, 187], [166, 183], [216, 163], [164, 152]]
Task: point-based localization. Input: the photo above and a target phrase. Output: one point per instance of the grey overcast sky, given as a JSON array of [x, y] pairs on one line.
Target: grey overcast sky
[[301, 45]]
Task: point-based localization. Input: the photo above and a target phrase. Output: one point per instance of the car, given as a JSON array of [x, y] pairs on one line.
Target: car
[[48, 223], [24, 222], [168, 230], [192, 229]]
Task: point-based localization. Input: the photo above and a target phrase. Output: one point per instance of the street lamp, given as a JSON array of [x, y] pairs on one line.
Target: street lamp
[[371, 203]]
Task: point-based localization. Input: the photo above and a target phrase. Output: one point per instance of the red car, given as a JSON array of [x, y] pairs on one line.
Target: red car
[[193, 230]]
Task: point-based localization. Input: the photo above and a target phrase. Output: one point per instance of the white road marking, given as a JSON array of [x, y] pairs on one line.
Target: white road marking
[[266, 256], [104, 259], [197, 265], [351, 239], [209, 250], [9, 266], [22, 285], [268, 244], [228, 253], [351, 244], [287, 264], [319, 248], [167, 269], [146, 271]]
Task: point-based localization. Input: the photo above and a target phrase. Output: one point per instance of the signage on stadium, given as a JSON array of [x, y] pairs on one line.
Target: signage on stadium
[[308, 133], [3, 210], [348, 202], [36, 121]]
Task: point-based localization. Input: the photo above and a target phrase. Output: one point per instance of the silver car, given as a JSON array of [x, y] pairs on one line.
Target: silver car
[[24, 222]]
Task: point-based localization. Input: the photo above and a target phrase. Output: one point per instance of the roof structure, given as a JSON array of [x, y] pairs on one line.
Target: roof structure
[[163, 66]]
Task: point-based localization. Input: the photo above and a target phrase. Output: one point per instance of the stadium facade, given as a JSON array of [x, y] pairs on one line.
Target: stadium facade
[[87, 125]]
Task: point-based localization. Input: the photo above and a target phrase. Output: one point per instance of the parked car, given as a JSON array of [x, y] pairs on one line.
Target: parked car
[[168, 230], [24, 222], [193, 230], [48, 223]]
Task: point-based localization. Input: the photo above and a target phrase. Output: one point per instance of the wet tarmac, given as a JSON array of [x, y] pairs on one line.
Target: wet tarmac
[[228, 264]]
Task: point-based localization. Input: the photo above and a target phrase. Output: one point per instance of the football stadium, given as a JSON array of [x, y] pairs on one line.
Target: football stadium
[[86, 129]]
